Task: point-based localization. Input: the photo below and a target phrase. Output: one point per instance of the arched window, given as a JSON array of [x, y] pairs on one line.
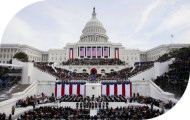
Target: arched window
[[102, 71], [112, 70], [84, 71]]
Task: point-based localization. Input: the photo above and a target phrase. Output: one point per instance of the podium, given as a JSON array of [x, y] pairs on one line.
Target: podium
[[93, 89]]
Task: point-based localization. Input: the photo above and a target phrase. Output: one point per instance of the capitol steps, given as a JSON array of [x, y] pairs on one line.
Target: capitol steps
[[18, 88], [7, 93]]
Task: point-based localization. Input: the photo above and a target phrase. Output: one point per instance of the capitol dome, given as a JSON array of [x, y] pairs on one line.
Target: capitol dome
[[94, 31]]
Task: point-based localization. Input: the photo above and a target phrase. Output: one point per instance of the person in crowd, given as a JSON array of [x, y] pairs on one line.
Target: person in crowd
[[13, 110], [77, 105], [2, 116], [10, 117], [35, 100]]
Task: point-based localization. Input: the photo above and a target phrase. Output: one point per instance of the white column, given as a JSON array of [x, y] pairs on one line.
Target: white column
[[79, 51]]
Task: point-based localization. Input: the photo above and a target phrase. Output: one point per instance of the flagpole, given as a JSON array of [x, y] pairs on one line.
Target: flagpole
[[171, 38]]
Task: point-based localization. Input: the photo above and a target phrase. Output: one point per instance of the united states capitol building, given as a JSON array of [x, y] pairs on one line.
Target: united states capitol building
[[93, 43]]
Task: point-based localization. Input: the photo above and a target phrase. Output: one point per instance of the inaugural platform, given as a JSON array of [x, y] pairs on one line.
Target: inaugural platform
[[93, 89]]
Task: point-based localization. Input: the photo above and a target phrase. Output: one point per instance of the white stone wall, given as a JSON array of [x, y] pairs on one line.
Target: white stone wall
[[161, 68], [141, 87], [154, 53], [57, 55], [131, 56], [147, 75], [27, 71], [33, 53], [31, 74], [47, 87], [7, 51], [93, 89], [158, 93], [149, 88], [45, 56], [157, 70]]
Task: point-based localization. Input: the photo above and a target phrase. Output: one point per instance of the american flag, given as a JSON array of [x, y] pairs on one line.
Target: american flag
[[82, 51], [71, 53], [116, 52], [106, 51], [99, 51], [93, 51], [88, 51]]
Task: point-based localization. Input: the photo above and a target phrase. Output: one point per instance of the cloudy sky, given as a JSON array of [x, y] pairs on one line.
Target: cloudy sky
[[138, 24]]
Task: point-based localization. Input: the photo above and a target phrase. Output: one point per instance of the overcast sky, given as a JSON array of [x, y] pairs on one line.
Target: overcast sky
[[137, 24]]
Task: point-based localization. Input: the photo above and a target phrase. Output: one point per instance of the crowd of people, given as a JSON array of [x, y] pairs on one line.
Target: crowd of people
[[176, 79], [140, 67], [94, 61], [85, 103], [66, 75], [35, 100], [55, 113], [131, 112], [46, 67], [7, 77], [151, 101]]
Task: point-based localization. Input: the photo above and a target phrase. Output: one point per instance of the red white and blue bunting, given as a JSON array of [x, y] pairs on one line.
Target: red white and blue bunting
[[117, 53], [107, 88], [71, 53], [64, 88], [118, 88]]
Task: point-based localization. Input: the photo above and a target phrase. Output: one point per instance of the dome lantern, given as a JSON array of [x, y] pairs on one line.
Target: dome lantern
[[94, 30], [94, 13]]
